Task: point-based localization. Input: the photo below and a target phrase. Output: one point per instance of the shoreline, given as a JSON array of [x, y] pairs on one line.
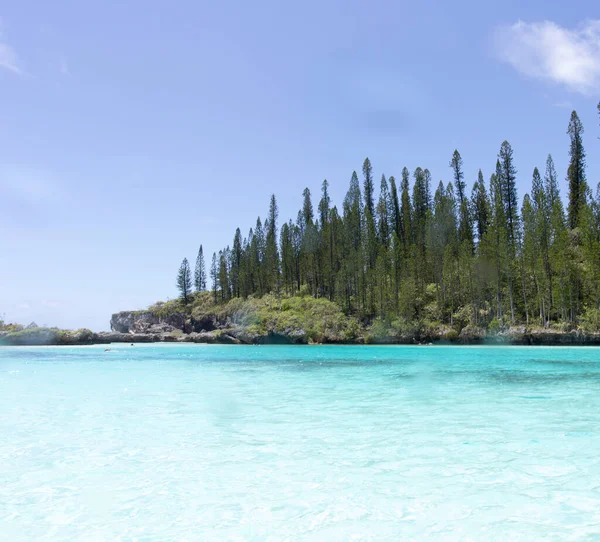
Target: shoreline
[[511, 337]]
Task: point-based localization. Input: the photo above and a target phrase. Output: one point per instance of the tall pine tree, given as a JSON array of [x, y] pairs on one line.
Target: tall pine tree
[[200, 272], [576, 171], [184, 280], [368, 187]]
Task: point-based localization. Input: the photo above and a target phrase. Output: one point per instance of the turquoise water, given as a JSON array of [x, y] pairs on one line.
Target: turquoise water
[[197, 442]]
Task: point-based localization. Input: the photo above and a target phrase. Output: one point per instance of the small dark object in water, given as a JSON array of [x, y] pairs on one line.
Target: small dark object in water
[[131, 344], [107, 349]]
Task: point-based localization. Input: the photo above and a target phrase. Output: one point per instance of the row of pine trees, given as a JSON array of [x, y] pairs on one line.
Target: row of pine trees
[[421, 252]]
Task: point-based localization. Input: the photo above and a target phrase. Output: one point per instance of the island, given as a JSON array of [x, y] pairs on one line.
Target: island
[[411, 266]]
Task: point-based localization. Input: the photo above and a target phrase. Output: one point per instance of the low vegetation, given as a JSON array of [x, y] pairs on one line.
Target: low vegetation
[[18, 335], [304, 317]]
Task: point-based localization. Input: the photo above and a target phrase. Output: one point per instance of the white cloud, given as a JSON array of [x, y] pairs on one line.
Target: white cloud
[[9, 59], [545, 50]]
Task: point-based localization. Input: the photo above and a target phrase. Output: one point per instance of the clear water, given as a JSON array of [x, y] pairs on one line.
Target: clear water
[[196, 442]]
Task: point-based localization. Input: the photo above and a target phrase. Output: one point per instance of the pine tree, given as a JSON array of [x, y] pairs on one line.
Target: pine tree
[[591, 242], [413, 257], [532, 279], [214, 277], [307, 209], [324, 203], [396, 217], [184, 280], [368, 187], [223, 275], [557, 242], [200, 272], [326, 245], [383, 214], [576, 171], [353, 227], [287, 259], [236, 264], [420, 204], [271, 251], [497, 233], [551, 183], [507, 177], [406, 211], [396, 258], [353, 210], [465, 228], [457, 172], [481, 206], [258, 257]]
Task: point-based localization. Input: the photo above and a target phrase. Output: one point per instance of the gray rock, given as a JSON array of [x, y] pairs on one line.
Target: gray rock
[[147, 322], [471, 334], [202, 337]]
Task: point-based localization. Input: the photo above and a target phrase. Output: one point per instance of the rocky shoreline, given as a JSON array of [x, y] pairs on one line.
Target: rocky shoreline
[[149, 327]]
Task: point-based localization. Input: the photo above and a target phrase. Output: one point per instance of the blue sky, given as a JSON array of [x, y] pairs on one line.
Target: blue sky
[[131, 132]]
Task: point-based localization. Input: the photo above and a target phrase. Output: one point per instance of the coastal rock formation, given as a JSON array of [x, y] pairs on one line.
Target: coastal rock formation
[[239, 335], [294, 320], [148, 322], [471, 334]]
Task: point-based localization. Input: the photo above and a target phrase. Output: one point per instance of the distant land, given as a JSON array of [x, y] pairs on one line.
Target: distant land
[[409, 265], [285, 320]]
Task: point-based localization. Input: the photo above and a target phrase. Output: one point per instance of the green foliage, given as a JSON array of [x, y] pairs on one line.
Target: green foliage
[[319, 319], [164, 308], [464, 316], [379, 331], [32, 336], [10, 328], [450, 335], [441, 260], [184, 280], [495, 326], [590, 319], [576, 171]]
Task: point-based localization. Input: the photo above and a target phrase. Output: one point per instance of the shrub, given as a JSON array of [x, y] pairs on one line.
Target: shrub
[[590, 319], [495, 325], [450, 335], [463, 316], [379, 330]]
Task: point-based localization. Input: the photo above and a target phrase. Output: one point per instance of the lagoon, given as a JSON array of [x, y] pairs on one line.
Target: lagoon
[[206, 442]]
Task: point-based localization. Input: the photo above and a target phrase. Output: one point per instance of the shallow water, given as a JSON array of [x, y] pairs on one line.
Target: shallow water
[[197, 442]]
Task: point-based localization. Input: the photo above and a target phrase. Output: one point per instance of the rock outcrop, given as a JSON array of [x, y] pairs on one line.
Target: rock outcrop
[[148, 322], [274, 321]]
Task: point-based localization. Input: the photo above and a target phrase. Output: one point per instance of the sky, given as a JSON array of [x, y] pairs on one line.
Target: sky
[[132, 132]]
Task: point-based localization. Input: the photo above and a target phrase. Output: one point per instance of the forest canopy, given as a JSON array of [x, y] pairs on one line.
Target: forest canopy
[[410, 251]]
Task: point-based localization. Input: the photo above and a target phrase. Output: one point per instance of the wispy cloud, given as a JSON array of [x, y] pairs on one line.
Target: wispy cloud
[[9, 59], [545, 50]]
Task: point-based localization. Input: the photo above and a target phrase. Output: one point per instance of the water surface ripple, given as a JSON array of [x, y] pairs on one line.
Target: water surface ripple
[[197, 442]]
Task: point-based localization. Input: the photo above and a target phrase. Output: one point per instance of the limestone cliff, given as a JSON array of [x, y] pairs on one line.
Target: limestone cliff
[[148, 322]]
